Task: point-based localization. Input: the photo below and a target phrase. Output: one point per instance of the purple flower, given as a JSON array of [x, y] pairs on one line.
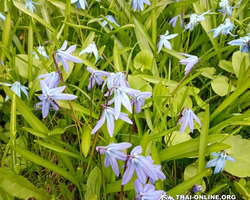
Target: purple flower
[[63, 56], [139, 100], [138, 4], [196, 188], [113, 152], [50, 95], [147, 192], [91, 49], [157, 168], [190, 61], [96, 76], [115, 79], [108, 115], [142, 166], [51, 79], [164, 41], [219, 162], [244, 42], [80, 4], [16, 88], [111, 19], [188, 119], [174, 20]]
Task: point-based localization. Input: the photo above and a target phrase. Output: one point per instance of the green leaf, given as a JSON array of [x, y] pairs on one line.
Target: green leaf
[[117, 58], [220, 86], [93, 183], [240, 188], [237, 60], [226, 65], [143, 60], [86, 141]]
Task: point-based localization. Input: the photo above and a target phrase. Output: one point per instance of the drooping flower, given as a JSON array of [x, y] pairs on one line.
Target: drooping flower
[[91, 49], [16, 88], [50, 96], [51, 79], [244, 42], [113, 153], [108, 115], [219, 162], [174, 20], [194, 19], [139, 100], [30, 4], [96, 76], [2, 16], [80, 4], [139, 4], [188, 118], [190, 61], [223, 29], [63, 56], [146, 192], [227, 8], [42, 51], [116, 79], [164, 41], [157, 168], [142, 166], [111, 19], [196, 188]]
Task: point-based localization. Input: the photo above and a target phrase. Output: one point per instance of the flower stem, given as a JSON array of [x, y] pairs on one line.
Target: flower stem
[[91, 105], [102, 176], [122, 186], [187, 44]]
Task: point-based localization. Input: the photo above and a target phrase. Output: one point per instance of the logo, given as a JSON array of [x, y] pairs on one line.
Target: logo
[[166, 197]]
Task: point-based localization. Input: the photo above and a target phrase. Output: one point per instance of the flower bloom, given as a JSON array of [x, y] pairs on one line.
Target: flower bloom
[[113, 153], [194, 19], [159, 173], [80, 4], [108, 115], [138, 4], [63, 56], [190, 61], [96, 76], [164, 41], [16, 88], [139, 100], [42, 51], [188, 119], [51, 79], [30, 4], [196, 188], [2, 16], [220, 161], [147, 192], [142, 166], [224, 29], [174, 20], [91, 49], [50, 96], [244, 42], [111, 19], [116, 79]]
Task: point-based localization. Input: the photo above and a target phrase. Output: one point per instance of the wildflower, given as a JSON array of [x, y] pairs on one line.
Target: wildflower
[[96, 76], [187, 119], [142, 166], [30, 4], [138, 4], [63, 56], [164, 41], [80, 4], [108, 114], [244, 42], [224, 29], [51, 79], [196, 188], [174, 20], [113, 152], [157, 168], [189, 62], [139, 100], [2, 16], [219, 162], [50, 96], [194, 19], [147, 192], [111, 19], [116, 79], [16, 88], [121, 97], [91, 49], [42, 51]]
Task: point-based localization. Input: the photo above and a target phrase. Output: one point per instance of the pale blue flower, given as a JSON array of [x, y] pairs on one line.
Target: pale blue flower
[[190, 61], [96, 77], [108, 115], [113, 153], [51, 79], [157, 168], [139, 100], [220, 161], [2, 16], [147, 192], [116, 79], [188, 118], [223, 29], [30, 4], [91, 48], [111, 19], [138, 4], [63, 56], [196, 188], [17, 88], [80, 4], [50, 96], [244, 42], [164, 41], [194, 19], [174, 20], [42, 51], [142, 166]]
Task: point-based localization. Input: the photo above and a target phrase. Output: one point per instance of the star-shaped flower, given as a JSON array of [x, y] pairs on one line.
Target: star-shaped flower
[[188, 119], [224, 29], [91, 48], [42, 51], [174, 20], [244, 42], [115, 79], [164, 41], [51, 79], [111, 19], [194, 19], [16, 88], [80, 4], [139, 100], [96, 76], [30, 4], [138, 4], [190, 61]]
